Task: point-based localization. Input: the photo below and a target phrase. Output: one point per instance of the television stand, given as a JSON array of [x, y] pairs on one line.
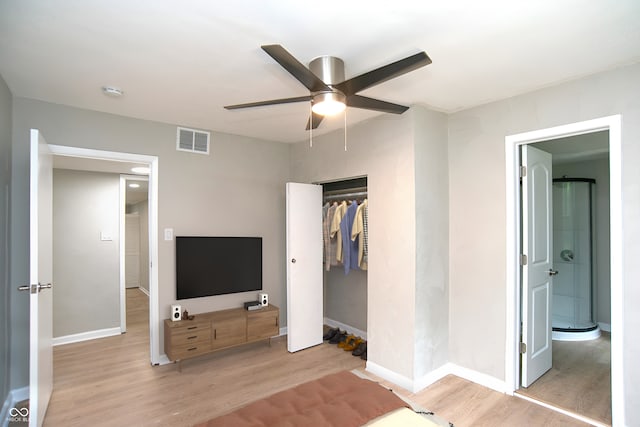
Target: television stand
[[219, 330]]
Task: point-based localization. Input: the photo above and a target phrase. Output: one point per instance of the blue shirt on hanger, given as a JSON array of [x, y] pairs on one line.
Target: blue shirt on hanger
[[349, 248]]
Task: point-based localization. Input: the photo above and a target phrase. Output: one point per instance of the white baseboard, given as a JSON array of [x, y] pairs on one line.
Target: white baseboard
[[477, 377], [432, 377], [415, 386], [13, 398], [390, 375], [164, 360], [350, 329], [85, 336]]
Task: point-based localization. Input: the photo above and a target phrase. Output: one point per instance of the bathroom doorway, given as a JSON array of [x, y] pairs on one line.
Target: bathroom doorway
[[580, 375], [612, 124]]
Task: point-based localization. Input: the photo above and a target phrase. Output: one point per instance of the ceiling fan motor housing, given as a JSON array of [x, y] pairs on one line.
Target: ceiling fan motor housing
[[331, 71], [328, 68]]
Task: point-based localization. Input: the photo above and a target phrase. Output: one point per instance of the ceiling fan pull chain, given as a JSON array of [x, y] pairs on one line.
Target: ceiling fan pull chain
[[310, 125], [345, 129]]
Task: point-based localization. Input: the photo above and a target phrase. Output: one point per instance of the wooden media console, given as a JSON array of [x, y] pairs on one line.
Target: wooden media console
[[217, 330]]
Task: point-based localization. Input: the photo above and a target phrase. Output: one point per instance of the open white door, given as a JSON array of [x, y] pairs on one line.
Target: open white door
[[41, 277], [304, 266], [538, 271]]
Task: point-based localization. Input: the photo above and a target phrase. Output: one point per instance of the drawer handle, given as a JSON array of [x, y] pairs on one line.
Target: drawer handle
[[193, 337], [192, 327], [192, 348]]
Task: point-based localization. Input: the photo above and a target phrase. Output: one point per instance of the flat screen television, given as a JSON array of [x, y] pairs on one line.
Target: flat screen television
[[207, 266]]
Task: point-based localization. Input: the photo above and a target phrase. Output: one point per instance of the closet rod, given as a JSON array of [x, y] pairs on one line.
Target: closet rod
[[357, 194]]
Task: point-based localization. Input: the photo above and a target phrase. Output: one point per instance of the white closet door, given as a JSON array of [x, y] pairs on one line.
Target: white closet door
[[132, 251], [304, 266]]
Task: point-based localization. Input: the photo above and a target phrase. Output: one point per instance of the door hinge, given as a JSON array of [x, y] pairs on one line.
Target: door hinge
[[523, 259], [523, 171], [523, 348]]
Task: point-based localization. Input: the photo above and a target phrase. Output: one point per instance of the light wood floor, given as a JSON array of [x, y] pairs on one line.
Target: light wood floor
[[579, 380], [109, 382]]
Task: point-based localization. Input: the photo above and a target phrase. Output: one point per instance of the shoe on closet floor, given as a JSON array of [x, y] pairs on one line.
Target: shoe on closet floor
[[358, 351], [346, 341], [353, 344], [330, 333], [338, 337]]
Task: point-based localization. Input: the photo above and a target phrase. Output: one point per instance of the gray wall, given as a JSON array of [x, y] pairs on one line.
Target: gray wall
[[86, 269], [5, 183], [345, 297], [19, 257], [399, 332], [598, 170], [478, 213], [237, 190], [432, 242]]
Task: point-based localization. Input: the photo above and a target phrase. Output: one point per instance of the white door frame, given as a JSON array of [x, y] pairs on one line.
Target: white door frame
[[512, 144], [152, 162]]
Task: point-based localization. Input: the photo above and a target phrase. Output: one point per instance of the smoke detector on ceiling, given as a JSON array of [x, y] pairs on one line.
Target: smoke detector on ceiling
[[112, 91]]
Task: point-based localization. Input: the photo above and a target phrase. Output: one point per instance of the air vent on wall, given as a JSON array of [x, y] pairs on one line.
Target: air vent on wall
[[195, 141]]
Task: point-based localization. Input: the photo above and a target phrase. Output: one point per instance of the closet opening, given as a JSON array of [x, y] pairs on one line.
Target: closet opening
[[345, 277]]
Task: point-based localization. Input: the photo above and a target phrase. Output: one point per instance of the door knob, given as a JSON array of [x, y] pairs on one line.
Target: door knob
[[293, 260], [553, 272], [34, 288]]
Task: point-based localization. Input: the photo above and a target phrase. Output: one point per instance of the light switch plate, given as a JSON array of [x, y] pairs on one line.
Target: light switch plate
[[168, 234], [106, 236]]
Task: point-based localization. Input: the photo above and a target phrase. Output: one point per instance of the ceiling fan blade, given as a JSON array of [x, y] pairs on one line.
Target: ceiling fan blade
[[317, 118], [358, 101], [382, 74], [293, 66], [270, 102]]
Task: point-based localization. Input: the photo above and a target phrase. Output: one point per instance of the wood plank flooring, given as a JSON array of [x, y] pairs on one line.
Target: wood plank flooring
[[579, 380], [109, 382]]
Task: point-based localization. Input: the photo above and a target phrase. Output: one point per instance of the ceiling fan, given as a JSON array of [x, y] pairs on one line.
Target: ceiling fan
[[330, 93]]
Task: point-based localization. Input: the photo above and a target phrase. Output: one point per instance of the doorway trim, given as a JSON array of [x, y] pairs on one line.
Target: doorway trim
[[152, 162], [512, 144]]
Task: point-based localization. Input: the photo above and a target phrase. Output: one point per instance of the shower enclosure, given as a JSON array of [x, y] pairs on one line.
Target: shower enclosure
[[573, 315]]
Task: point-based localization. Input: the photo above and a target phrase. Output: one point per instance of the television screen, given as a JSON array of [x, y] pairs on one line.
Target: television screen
[[207, 266]]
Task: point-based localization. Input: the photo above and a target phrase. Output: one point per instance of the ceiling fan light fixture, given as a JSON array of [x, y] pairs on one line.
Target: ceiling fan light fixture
[[328, 103], [144, 170]]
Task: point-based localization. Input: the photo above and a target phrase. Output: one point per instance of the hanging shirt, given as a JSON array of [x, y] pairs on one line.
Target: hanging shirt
[[330, 243], [335, 229], [349, 248], [357, 234], [365, 234]]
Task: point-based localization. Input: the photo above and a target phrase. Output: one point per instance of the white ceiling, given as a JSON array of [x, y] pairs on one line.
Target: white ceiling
[[180, 62], [589, 146]]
